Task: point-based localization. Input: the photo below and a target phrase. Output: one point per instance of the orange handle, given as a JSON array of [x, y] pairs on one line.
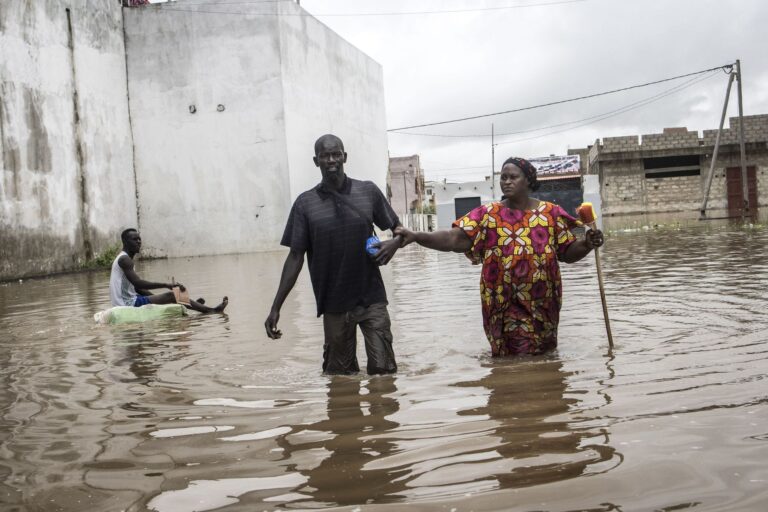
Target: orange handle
[[586, 213]]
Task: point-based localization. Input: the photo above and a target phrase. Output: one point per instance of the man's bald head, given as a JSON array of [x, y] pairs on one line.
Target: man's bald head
[[327, 140]]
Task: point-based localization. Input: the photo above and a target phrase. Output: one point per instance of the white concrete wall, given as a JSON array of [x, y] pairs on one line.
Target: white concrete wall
[[75, 158], [223, 182], [48, 221], [330, 86], [446, 194], [590, 184], [210, 182]]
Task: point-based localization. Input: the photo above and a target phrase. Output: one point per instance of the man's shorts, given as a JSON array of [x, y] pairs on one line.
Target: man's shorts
[[141, 300]]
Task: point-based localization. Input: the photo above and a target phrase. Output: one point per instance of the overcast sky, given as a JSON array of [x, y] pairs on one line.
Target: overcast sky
[[489, 58], [439, 67]]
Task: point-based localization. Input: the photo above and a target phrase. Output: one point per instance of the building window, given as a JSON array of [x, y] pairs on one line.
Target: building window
[[672, 166]]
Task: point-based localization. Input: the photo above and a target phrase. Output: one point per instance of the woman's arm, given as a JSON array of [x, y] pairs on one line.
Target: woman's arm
[[453, 239], [580, 248]]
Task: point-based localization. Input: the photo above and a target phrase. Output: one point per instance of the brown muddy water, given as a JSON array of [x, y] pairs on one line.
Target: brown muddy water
[[207, 413]]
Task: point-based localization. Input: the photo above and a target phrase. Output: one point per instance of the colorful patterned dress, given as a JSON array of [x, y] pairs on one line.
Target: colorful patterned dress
[[520, 285]]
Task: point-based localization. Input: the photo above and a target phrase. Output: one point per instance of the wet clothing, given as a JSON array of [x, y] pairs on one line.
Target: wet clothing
[[520, 286], [121, 291], [339, 355], [140, 300], [333, 235], [347, 283]]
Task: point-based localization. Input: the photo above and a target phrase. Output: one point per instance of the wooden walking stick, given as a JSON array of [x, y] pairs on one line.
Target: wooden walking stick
[[588, 217]]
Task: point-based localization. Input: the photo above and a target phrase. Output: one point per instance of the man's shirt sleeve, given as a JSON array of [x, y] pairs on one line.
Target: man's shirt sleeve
[[296, 234], [383, 214]]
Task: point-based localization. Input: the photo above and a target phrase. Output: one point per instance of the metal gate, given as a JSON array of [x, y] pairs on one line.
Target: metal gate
[[464, 205]]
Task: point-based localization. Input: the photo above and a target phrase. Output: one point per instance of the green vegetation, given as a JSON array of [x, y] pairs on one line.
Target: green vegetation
[[103, 259]]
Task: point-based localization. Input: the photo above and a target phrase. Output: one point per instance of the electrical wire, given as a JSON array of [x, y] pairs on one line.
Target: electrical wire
[[591, 120], [560, 102], [540, 128], [628, 108]]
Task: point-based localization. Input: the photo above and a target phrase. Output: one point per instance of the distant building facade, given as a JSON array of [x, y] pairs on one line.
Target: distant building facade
[[559, 178], [453, 200], [665, 173], [405, 188]]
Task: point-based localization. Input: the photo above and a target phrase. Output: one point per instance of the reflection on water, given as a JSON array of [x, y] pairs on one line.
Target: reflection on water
[[356, 432], [537, 441], [204, 413]]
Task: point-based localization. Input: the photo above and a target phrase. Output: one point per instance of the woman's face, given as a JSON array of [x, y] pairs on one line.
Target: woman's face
[[513, 181]]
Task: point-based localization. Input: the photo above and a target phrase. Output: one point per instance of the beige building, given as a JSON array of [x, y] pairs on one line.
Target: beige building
[[405, 187], [665, 173]]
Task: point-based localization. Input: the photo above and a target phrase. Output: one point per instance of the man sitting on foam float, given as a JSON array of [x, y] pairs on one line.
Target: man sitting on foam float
[[126, 288]]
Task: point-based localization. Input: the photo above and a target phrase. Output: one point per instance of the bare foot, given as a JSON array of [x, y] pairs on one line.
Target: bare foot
[[200, 300], [220, 307]]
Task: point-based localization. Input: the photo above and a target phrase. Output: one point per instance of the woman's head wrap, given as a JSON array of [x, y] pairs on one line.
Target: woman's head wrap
[[529, 171]]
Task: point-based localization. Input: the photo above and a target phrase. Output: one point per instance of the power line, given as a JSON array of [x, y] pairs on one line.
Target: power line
[[614, 113], [560, 102], [642, 102], [592, 120], [457, 168], [360, 14]]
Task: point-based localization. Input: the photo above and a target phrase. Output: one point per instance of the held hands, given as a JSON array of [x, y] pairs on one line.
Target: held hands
[[387, 250], [271, 325], [594, 238], [406, 235]]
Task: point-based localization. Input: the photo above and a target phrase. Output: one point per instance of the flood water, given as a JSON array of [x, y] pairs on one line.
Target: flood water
[[206, 413]]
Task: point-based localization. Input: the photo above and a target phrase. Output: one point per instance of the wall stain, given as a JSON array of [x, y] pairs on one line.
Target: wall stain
[[41, 253], [38, 147], [27, 112], [3, 16], [40, 192], [8, 145], [79, 146]]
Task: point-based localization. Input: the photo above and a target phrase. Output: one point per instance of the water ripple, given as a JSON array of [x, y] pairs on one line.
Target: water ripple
[[205, 412]]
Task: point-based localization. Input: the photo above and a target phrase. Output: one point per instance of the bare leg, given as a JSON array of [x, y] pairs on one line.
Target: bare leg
[[169, 298], [205, 309]]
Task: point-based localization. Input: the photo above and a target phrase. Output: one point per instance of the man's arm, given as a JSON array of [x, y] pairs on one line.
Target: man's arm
[[126, 263], [291, 269], [388, 248], [384, 216], [453, 239]]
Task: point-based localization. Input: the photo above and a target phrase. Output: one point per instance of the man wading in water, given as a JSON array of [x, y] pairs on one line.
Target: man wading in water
[[330, 223], [126, 288]]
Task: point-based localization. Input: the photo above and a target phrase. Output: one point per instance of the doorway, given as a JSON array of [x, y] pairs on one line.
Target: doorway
[[735, 193], [463, 205]]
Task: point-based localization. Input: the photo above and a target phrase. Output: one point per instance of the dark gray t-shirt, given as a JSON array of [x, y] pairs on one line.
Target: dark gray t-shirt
[[333, 234]]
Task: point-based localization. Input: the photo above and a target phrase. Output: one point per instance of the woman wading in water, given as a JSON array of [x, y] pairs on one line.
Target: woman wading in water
[[519, 241]]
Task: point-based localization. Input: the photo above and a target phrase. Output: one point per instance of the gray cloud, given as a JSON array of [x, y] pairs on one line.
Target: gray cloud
[[445, 66]]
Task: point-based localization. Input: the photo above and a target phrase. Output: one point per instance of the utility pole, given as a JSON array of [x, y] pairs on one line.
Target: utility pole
[[708, 186], [493, 165], [742, 149], [405, 196]]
